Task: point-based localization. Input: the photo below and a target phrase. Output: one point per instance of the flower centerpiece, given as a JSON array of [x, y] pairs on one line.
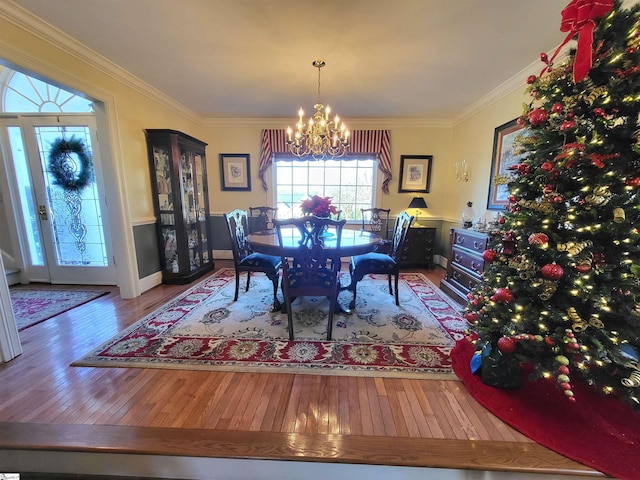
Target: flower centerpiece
[[318, 206]]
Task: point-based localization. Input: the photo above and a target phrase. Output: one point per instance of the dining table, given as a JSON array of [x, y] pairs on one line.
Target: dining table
[[353, 242]]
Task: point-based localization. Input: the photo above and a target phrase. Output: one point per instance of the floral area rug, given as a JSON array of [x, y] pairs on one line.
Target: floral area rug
[[32, 306], [205, 329]]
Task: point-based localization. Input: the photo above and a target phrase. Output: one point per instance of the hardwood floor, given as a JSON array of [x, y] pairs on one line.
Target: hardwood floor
[[46, 405]]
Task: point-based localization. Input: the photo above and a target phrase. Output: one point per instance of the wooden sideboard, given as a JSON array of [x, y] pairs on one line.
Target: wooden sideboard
[[465, 264], [418, 248]]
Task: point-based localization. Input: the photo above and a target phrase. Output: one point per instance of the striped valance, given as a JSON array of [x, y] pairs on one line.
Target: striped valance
[[374, 142]]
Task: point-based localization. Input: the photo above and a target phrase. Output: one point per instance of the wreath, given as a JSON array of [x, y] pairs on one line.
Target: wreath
[[68, 172]]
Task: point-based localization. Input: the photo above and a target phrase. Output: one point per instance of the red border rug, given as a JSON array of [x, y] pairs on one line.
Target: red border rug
[[596, 430], [35, 305], [205, 329]]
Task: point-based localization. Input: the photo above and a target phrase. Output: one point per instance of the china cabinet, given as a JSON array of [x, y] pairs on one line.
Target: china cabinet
[[179, 182]]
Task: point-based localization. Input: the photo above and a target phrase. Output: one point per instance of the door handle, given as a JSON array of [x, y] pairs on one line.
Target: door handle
[[42, 211]]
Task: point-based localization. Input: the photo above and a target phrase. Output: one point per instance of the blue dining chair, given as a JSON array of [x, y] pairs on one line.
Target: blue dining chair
[[246, 261], [381, 263], [313, 268]]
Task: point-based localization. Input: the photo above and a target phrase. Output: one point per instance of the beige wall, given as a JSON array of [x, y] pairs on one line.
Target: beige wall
[[434, 141], [472, 140]]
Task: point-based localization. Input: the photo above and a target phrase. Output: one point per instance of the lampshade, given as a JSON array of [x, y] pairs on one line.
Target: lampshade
[[418, 202]]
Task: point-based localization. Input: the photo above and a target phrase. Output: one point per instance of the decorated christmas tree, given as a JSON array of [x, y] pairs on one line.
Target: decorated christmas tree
[[561, 290]]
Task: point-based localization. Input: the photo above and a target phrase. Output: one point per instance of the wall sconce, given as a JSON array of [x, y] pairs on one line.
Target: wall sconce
[[418, 204], [463, 171]]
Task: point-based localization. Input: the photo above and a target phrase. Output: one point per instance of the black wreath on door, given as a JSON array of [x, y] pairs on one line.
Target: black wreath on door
[[67, 172]]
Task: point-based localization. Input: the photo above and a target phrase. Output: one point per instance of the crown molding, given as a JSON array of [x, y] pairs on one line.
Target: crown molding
[[46, 32], [354, 123]]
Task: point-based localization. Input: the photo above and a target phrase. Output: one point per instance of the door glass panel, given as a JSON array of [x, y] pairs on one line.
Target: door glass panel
[[25, 191], [75, 215]]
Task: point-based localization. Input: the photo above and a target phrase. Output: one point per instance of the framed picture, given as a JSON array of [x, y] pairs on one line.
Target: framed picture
[[235, 172], [503, 158], [415, 173]]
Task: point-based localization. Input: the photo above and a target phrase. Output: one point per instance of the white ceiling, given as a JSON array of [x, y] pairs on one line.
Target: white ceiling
[[391, 59]]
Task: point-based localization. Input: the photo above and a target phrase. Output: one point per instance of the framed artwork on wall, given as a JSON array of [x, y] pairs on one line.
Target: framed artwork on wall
[[235, 172], [502, 159], [415, 173]]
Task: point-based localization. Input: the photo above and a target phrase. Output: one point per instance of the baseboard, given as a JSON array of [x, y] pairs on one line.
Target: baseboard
[[150, 281]]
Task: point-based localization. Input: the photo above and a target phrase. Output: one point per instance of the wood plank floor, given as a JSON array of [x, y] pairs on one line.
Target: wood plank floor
[[48, 405]]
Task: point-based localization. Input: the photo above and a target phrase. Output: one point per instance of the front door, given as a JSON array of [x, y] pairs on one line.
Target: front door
[[57, 169]]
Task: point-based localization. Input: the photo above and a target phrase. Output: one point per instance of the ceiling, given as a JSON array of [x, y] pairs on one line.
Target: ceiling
[[385, 59]]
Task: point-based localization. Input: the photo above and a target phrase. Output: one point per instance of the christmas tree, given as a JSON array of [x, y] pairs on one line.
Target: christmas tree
[[561, 287]]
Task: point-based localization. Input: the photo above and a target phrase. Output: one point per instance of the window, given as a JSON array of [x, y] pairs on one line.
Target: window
[[24, 94], [350, 182]]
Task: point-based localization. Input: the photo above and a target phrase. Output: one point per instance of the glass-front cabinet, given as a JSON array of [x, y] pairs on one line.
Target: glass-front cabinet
[[179, 181]]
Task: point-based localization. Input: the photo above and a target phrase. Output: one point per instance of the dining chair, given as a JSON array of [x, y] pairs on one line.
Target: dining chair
[[260, 218], [382, 263], [377, 220], [246, 261], [313, 269]]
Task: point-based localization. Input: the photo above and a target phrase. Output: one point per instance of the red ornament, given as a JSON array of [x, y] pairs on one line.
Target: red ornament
[[563, 369], [549, 341], [544, 58], [567, 125], [583, 267], [633, 182], [538, 116], [600, 112], [552, 271], [547, 166], [489, 255], [506, 345], [557, 108], [503, 295], [538, 239], [531, 79], [471, 316]]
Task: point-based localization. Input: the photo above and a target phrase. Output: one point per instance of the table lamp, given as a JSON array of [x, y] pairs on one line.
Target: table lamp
[[417, 203]]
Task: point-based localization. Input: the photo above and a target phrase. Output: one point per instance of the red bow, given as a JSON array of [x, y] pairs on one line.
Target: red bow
[[578, 18]]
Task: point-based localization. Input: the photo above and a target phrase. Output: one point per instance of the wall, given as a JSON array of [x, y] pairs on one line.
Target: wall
[[472, 140]]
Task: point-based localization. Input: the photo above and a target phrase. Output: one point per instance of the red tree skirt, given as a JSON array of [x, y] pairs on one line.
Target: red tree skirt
[[595, 430]]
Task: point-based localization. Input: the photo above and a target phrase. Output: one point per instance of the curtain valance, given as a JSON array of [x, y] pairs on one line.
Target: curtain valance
[[374, 142]]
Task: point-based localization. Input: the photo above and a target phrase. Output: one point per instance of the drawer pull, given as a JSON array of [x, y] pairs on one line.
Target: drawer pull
[[460, 240], [456, 257], [476, 244], [474, 266]]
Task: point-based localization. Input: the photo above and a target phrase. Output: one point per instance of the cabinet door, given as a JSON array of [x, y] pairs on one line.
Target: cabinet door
[[201, 205], [165, 204]]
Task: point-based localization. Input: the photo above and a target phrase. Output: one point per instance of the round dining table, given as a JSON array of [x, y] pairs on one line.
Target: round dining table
[[353, 242]]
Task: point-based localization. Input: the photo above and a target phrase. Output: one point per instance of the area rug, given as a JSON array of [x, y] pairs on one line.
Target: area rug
[[32, 306], [596, 430], [205, 329]]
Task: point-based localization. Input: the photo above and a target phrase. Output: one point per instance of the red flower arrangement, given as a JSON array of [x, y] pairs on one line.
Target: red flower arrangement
[[318, 206]]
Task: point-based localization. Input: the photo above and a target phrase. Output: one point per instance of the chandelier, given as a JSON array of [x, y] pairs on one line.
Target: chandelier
[[320, 137]]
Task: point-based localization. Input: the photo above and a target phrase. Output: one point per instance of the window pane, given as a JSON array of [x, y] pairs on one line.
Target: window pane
[[350, 183]]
